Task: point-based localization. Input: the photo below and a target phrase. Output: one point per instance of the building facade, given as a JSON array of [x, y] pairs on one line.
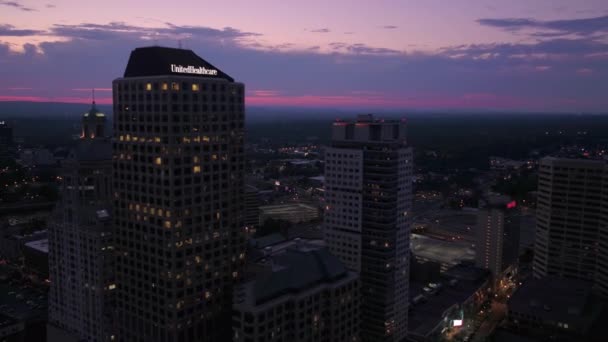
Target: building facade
[[80, 243], [368, 187], [298, 292], [572, 216], [252, 209], [497, 235], [178, 194]]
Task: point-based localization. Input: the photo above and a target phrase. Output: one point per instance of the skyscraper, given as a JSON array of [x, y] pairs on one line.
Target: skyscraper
[[497, 243], [178, 194], [571, 224], [368, 189], [80, 241]]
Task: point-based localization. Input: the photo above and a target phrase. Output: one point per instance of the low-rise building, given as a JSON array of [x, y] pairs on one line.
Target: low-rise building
[[10, 329], [36, 255], [447, 305], [23, 313], [553, 306]]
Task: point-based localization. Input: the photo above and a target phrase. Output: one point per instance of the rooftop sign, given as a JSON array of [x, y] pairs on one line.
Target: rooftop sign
[[193, 70]]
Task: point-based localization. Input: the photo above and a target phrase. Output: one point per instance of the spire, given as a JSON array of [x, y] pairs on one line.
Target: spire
[[93, 93]]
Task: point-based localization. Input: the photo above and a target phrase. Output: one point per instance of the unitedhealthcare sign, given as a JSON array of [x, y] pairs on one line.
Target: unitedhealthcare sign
[[193, 70]]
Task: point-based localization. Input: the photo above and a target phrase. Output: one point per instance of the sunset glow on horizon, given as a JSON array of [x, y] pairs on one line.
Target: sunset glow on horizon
[[512, 55]]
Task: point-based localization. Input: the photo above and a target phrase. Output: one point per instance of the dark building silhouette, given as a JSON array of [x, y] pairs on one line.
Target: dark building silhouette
[[178, 195], [81, 251]]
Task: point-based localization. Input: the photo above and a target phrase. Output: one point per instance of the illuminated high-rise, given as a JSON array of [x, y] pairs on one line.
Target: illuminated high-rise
[[572, 220], [178, 196], [368, 190]]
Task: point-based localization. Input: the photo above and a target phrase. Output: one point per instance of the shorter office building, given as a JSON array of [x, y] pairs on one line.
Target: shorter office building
[[447, 305], [296, 291], [553, 306], [498, 228], [23, 313], [12, 241], [11, 329], [294, 212]]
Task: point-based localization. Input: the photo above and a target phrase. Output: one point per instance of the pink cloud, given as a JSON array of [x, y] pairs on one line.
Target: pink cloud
[[90, 89], [262, 92], [584, 71], [19, 88], [471, 100], [103, 100], [272, 98]]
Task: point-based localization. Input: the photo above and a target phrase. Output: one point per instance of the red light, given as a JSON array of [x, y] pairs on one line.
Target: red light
[[511, 205]]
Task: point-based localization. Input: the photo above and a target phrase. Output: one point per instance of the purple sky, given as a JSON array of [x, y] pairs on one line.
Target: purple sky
[[431, 54]]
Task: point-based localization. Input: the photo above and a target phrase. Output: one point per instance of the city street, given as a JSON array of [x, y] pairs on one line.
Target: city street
[[498, 313]]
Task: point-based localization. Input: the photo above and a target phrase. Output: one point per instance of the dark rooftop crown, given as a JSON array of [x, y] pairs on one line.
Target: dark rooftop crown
[[158, 61]]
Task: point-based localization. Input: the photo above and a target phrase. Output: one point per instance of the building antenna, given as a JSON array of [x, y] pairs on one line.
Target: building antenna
[[93, 93]]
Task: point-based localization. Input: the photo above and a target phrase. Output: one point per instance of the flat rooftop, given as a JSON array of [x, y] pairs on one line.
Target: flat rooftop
[[39, 245], [6, 321], [557, 300], [22, 303], [456, 286], [287, 208], [444, 252], [291, 267]]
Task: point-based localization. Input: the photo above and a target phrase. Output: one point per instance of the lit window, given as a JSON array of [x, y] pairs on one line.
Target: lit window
[[167, 224], [194, 87], [158, 161], [148, 86], [195, 159], [112, 287], [174, 86], [165, 86], [197, 169]]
